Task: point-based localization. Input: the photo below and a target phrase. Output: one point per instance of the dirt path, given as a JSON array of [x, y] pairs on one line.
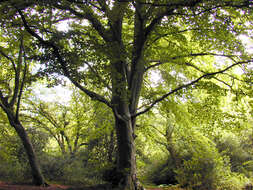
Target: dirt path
[[10, 186]]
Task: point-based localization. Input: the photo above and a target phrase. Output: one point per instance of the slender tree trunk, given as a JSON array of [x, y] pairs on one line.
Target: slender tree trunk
[[38, 178]]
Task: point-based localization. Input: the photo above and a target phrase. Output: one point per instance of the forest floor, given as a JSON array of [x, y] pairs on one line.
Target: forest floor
[[11, 186]]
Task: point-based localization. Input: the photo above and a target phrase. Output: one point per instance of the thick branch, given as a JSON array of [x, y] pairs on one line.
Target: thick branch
[[187, 85], [157, 20], [1, 95], [22, 83], [89, 15], [56, 51], [17, 75], [3, 101]]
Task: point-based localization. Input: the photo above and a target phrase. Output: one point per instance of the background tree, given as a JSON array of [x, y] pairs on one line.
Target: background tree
[[13, 79]]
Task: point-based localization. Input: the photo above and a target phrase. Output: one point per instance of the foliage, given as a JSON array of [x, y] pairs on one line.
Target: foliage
[[160, 172], [231, 146]]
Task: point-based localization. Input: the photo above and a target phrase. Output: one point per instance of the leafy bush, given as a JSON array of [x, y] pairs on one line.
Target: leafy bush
[[230, 145], [12, 171], [232, 181], [76, 173], [53, 166], [201, 163], [161, 172], [204, 168]]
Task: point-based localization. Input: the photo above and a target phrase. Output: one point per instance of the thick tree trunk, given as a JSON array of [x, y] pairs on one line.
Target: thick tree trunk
[[126, 165], [38, 178]]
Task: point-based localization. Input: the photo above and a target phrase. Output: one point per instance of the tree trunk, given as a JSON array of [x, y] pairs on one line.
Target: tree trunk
[[126, 165], [38, 178]]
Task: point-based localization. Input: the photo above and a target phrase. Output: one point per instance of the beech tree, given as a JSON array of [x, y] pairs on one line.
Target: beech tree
[[118, 45]]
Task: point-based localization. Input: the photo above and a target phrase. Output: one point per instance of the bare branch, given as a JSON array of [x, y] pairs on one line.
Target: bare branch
[[157, 20], [159, 131], [2, 106], [187, 85], [83, 144]]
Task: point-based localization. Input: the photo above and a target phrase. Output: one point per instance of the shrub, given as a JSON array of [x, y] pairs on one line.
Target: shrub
[[52, 167], [12, 171], [201, 163], [76, 173], [232, 181], [161, 172], [230, 145], [204, 168]]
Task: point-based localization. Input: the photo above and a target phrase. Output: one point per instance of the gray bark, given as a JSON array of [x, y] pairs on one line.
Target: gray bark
[[126, 165]]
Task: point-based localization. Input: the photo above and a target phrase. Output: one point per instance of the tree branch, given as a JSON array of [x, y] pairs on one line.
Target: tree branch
[[159, 36], [192, 3], [17, 76], [47, 116], [187, 85], [99, 77], [189, 55], [103, 6], [195, 67], [41, 124], [157, 20], [56, 51], [9, 58], [189, 3], [22, 83], [88, 15], [3, 101]]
